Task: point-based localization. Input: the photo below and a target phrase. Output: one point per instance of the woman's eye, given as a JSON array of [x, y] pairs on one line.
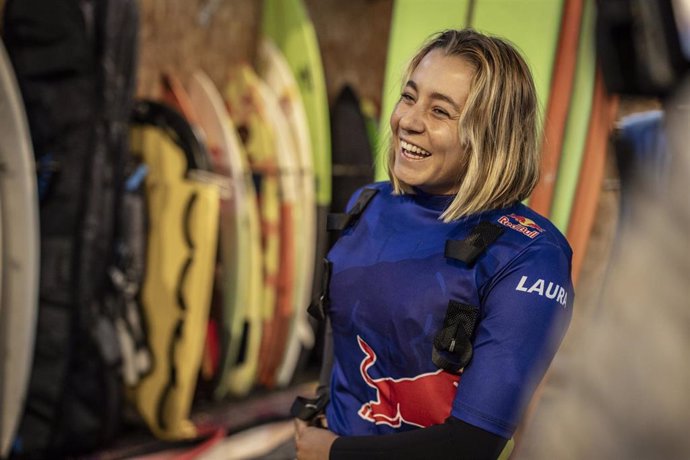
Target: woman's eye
[[440, 112], [406, 97]]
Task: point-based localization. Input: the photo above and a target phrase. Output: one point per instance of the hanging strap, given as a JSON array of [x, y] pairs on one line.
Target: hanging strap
[[308, 409], [480, 238], [340, 221], [319, 307], [452, 349], [337, 222]]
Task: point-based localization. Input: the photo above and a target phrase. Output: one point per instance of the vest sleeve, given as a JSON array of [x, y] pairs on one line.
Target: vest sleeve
[[525, 311]]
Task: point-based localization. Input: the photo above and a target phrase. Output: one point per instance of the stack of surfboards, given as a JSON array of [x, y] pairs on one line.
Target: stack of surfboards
[[265, 138], [258, 135], [557, 39], [279, 110], [237, 188]]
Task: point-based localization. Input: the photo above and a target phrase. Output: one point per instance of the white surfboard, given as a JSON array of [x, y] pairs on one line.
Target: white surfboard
[[253, 443], [20, 254], [239, 239]]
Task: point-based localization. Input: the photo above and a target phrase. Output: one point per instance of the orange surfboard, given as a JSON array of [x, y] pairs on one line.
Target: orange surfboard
[[588, 190], [556, 115]]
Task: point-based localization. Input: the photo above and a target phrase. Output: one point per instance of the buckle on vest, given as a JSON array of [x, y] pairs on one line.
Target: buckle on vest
[[318, 309], [452, 349], [308, 409]]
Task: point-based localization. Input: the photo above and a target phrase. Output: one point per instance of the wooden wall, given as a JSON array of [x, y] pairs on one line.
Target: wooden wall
[[353, 36]]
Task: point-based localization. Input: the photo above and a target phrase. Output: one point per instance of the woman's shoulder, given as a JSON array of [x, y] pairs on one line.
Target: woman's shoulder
[[527, 241], [522, 227]]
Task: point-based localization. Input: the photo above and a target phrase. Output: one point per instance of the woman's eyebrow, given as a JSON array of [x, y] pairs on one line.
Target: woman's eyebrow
[[411, 84], [443, 97], [435, 95]]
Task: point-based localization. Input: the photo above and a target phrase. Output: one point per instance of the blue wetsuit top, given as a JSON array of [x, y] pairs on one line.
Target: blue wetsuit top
[[389, 292]]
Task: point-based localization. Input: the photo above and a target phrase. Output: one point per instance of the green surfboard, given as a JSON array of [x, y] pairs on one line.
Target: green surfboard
[[532, 26], [287, 23]]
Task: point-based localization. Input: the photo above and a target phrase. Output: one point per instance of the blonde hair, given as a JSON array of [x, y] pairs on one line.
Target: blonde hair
[[497, 126]]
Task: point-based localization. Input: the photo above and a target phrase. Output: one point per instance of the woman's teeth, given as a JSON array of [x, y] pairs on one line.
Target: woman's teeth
[[411, 150]]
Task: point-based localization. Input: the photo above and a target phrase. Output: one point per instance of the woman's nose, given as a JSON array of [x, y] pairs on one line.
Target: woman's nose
[[411, 120]]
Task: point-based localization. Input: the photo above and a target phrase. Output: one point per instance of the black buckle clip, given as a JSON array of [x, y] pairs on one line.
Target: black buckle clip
[[308, 409]]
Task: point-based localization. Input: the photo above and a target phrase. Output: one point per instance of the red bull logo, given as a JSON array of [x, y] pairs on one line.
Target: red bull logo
[[422, 400], [522, 224]]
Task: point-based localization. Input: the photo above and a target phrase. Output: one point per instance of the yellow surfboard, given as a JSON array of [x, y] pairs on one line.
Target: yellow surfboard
[[245, 106], [182, 239]]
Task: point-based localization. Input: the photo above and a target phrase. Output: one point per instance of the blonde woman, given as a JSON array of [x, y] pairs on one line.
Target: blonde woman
[[447, 297]]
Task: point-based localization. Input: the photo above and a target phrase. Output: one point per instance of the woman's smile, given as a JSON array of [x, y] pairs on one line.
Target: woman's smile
[[413, 152]]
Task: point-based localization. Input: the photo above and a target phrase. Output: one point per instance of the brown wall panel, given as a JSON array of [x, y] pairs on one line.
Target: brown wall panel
[[353, 37], [172, 39]]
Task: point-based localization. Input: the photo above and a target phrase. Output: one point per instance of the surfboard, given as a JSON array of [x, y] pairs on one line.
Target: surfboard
[[352, 154], [176, 293], [588, 190], [253, 443], [371, 114], [556, 115], [279, 327], [578, 121], [287, 24], [245, 106], [275, 71], [285, 318], [238, 240], [412, 23], [175, 95], [533, 26], [19, 245]]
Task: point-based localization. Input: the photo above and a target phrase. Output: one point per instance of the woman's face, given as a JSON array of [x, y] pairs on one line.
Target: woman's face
[[424, 124]]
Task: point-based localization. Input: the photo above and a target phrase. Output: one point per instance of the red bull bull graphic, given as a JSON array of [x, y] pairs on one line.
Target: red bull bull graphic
[[422, 400], [524, 225]]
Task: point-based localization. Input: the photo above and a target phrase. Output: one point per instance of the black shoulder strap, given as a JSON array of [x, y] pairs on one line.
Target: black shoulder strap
[[340, 221], [480, 238], [318, 309]]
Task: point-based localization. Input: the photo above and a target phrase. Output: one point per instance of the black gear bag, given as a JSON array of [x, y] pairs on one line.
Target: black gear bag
[[75, 62]]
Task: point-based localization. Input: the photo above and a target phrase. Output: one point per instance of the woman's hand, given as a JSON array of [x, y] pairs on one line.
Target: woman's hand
[[312, 443]]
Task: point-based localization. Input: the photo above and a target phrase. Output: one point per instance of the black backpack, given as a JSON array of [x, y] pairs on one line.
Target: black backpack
[[75, 62]]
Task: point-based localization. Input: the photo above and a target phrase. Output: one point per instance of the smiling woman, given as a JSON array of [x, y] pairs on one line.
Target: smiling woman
[[447, 297], [482, 88], [426, 141]]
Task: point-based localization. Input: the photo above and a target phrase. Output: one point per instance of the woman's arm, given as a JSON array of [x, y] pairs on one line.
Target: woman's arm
[[454, 438]]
